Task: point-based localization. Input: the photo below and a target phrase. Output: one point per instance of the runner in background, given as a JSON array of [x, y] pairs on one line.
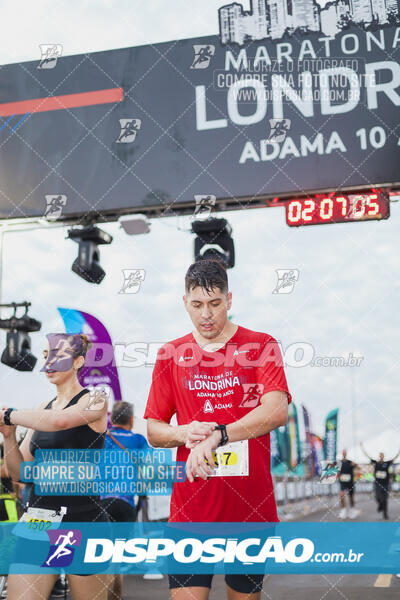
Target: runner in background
[[346, 479], [6, 484], [382, 480], [8, 504], [120, 437], [121, 508], [227, 387]]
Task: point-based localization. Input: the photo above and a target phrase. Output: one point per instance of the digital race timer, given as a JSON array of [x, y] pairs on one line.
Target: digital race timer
[[341, 208]]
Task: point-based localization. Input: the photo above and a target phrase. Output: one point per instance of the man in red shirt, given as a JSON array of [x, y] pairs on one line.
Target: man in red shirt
[[227, 387]]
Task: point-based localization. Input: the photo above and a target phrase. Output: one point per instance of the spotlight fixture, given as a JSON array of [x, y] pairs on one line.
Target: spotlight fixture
[[135, 224], [214, 241], [87, 265], [17, 353]]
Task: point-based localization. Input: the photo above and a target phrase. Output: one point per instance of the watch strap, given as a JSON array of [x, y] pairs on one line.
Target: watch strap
[[224, 435], [6, 416]]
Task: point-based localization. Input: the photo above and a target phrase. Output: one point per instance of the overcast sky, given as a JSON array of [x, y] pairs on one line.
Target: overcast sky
[[345, 301]]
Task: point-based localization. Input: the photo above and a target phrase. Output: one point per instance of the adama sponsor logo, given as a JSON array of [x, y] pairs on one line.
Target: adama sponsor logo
[[209, 408]]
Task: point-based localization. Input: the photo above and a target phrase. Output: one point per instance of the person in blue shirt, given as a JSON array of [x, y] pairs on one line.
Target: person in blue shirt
[[122, 508]]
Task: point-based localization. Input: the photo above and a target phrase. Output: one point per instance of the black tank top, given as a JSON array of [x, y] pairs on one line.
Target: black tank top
[[81, 437], [347, 468], [381, 472]]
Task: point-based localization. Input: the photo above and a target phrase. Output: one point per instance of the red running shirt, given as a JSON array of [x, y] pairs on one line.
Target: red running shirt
[[220, 386]]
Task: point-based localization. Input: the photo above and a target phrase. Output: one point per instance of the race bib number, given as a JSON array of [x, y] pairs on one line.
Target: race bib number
[[43, 515], [232, 459], [38, 520], [381, 474], [345, 477]]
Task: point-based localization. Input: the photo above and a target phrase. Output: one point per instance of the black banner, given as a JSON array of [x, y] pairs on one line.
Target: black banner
[[153, 126]]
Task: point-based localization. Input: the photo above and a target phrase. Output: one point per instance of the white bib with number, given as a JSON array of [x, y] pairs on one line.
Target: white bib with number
[[231, 459], [43, 515], [38, 521], [345, 477], [381, 474]]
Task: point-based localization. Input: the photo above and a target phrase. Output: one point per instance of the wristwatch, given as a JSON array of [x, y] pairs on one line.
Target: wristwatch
[[6, 416], [224, 435]]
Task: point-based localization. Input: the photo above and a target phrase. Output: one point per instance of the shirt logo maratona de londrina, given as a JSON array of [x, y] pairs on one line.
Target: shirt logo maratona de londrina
[[221, 384]]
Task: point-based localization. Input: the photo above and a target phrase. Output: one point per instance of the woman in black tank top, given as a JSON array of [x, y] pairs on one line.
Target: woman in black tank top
[[80, 508], [74, 419]]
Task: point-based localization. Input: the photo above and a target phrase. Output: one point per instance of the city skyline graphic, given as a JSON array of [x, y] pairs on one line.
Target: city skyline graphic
[[271, 19]]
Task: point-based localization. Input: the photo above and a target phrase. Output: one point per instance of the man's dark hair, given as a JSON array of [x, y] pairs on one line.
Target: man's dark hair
[[208, 274], [121, 413]]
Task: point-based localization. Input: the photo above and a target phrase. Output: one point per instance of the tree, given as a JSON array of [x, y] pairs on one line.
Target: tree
[[345, 21], [393, 16], [374, 24]]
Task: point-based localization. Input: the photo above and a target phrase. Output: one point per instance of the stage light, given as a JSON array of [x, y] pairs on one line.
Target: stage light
[[17, 353], [87, 265], [135, 224], [214, 241]]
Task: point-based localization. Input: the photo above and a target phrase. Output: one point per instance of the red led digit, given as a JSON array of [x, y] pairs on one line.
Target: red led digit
[[309, 206], [356, 212], [372, 205], [291, 216], [326, 214], [343, 202]]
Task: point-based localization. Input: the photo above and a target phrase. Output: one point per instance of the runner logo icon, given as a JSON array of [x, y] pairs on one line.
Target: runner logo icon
[[50, 53], [286, 281], [202, 56], [61, 553], [252, 393], [132, 280], [129, 129], [55, 204]]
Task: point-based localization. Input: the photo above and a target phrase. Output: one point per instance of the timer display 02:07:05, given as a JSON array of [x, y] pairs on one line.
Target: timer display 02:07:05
[[337, 209]]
